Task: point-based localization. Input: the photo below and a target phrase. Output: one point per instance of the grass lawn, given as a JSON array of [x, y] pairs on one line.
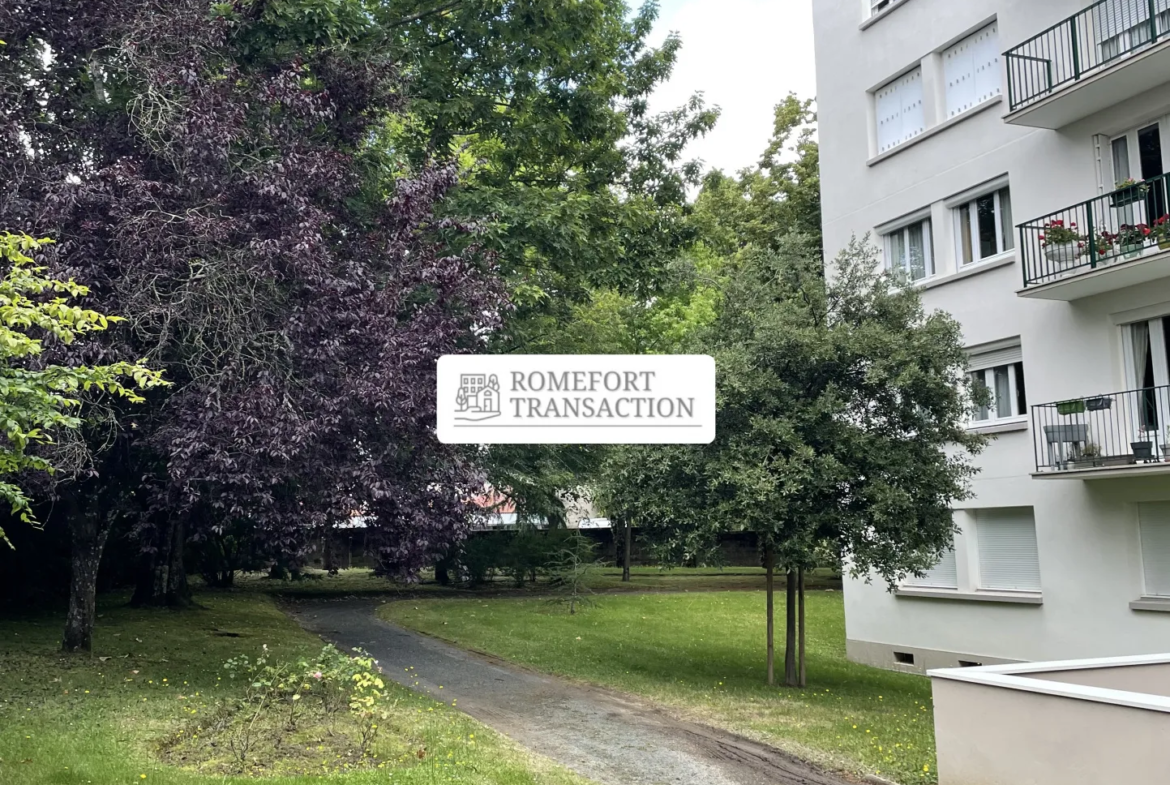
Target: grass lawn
[[704, 653], [607, 579], [69, 720]]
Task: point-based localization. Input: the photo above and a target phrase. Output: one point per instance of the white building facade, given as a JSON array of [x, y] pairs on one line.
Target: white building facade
[[1011, 157]]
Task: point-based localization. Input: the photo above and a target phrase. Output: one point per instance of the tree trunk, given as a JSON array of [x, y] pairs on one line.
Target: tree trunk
[[328, 557], [178, 591], [162, 578], [87, 535], [770, 568], [800, 620], [790, 676], [626, 548]]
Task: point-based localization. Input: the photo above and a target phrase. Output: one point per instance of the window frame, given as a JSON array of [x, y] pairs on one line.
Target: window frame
[[1004, 240], [904, 264], [1014, 371], [1142, 552]]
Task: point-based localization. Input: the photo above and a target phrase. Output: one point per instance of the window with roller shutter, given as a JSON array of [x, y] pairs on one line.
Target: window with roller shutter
[[899, 112], [943, 575], [1154, 518], [971, 70], [1009, 559]]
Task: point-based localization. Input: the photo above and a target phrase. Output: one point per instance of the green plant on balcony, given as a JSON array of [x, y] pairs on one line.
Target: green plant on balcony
[[1127, 192], [1062, 243], [1131, 239], [1160, 231]]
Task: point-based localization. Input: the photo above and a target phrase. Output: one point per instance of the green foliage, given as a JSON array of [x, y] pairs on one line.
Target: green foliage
[[840, 408], [36, 400], [781, 194], [522, 555]]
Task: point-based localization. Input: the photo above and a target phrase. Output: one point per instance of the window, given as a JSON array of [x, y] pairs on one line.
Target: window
[[941, 576], [971, 70], [898, 108], [1121, 26], [1154, 521], [983, 226], [909, 250], [1001, 371], [1008, 557]]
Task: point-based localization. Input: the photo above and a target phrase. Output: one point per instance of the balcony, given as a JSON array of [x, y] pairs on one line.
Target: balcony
[[1116, 240], [1109, 52], [1113, 435]]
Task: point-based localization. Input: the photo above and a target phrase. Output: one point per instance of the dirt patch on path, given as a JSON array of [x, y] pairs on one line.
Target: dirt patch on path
[[607, 737]]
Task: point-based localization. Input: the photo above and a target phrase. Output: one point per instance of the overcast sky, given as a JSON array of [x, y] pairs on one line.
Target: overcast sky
[[745, 56]]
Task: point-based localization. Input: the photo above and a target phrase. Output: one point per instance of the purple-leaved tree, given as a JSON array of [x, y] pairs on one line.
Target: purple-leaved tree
[[221, 178]]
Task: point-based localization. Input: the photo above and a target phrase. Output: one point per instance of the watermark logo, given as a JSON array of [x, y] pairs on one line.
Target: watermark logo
[[478, 397], [576, 399]]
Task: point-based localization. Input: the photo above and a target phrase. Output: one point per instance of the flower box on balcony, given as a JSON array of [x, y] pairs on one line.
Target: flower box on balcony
[[1100, 403], [1128, 195], [1070, 407]]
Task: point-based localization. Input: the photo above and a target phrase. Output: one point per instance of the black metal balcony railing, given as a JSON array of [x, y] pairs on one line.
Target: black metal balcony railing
[[1110, 229], [1081, 44], [1118, 429]]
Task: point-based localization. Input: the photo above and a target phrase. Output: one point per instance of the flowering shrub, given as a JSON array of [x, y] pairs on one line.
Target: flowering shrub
[[1057, 233]]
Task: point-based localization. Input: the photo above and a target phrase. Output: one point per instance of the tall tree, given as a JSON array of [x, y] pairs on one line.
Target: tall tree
[[842, 408], [761, 204], [218, 173]]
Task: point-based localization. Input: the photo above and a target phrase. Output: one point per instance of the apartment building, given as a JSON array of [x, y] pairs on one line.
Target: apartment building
[[1011, 156]]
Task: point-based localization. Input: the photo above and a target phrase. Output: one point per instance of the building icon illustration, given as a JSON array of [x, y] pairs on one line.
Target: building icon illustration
[[478, 397]]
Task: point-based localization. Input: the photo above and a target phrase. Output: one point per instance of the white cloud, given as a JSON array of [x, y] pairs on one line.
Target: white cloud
[[745, 56]]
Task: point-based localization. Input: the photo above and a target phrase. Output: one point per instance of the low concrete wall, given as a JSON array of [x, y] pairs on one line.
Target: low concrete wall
[[1093, 722], [1148, 679]]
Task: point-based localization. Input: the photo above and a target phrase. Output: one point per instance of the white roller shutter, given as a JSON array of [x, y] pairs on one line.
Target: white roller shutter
[[1113, 18], [899, 112], [971, 70], [1008, 557], [994, 358], [941, 576], [1155, 534]]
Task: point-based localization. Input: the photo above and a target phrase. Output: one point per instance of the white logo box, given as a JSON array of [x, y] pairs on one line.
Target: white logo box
[[576, 399]]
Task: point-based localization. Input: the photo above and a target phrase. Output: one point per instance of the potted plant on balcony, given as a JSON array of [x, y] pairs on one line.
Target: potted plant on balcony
[[1143, 450], [1062, 244], [1090, 456], [1066, 408], [1132, 239], [1160, 231], [1098, 403], [1128, 192]]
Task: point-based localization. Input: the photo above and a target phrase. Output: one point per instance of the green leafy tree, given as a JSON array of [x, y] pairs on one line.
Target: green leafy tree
[[842, 408], [36, 399], [779, 195]]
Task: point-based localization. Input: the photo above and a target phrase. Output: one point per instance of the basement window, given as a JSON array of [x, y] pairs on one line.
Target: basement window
[[903, 658], [969, 664]]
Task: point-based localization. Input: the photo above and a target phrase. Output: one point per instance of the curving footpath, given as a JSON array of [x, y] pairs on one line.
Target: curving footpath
[[607, 737]]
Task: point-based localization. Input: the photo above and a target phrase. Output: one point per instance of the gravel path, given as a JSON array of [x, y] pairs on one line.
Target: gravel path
[[610, 738]]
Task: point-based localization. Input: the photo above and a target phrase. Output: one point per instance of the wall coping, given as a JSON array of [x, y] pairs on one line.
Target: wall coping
[[1014, 677]]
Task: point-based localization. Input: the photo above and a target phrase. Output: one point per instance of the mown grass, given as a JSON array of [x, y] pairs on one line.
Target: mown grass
[[102, 720], [703, 653]]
